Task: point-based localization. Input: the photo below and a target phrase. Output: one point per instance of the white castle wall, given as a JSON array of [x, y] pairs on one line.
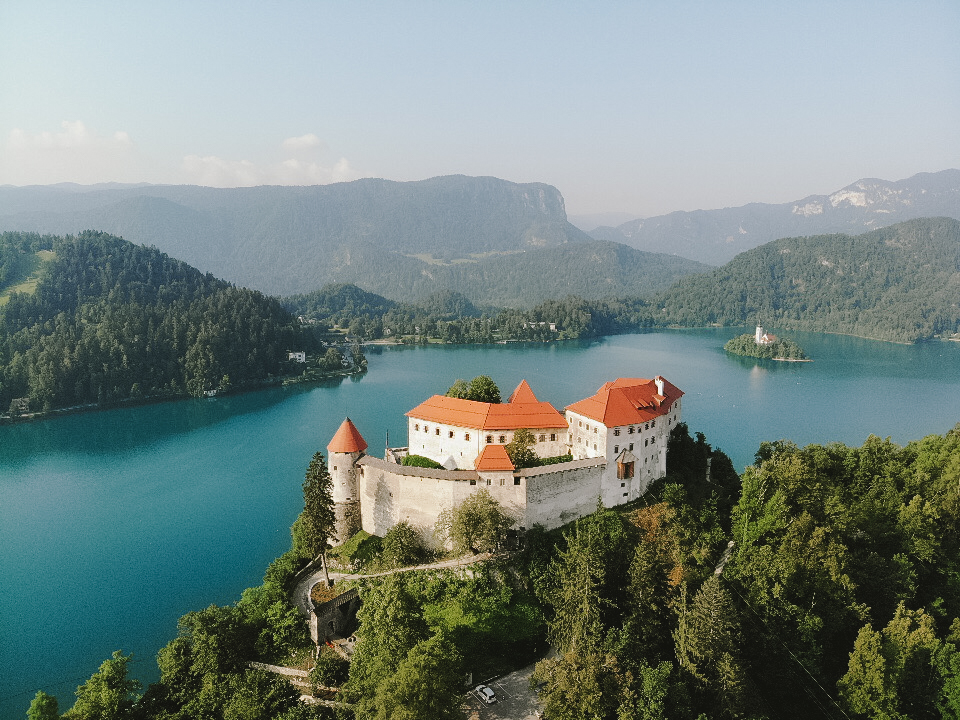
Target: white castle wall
[[557, 494], [550, 496]]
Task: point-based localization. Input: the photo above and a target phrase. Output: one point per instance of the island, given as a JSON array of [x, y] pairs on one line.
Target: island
[[766, 345]]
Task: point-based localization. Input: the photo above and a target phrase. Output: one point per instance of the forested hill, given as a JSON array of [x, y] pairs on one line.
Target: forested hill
[[285, 240], [900, 283], [105, 320], [717, 236]]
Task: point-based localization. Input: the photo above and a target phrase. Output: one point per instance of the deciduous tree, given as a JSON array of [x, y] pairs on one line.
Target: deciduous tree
[[476, 524]]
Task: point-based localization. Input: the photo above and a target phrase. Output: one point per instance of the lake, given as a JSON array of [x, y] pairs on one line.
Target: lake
[[114, 524]]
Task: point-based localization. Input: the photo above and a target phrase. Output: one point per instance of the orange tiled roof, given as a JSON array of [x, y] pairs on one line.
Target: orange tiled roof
[[522, 411], [493, 457], [523, 394], [627, 401], [347, 439]]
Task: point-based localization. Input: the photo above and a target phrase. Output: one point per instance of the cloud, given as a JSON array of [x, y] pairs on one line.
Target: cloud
[[219, 172], [74, 154], [304, 142]]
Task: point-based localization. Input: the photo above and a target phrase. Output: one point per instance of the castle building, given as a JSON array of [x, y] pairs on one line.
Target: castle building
[[454, 432], [617, 439], [627, 423]]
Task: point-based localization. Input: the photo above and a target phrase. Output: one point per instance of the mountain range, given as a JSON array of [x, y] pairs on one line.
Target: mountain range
[[497, 242], [717, 236], [500, 243]]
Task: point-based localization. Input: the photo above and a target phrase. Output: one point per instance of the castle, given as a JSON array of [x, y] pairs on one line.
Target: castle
[[617, 439]]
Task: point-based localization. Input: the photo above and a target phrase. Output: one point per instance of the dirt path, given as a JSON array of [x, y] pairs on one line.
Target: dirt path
[[301, 593]]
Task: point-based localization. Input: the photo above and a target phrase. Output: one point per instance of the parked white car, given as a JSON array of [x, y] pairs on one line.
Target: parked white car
[[486, 694]]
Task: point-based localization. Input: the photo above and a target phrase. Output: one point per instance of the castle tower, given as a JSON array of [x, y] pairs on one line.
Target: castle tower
[[343, 451]]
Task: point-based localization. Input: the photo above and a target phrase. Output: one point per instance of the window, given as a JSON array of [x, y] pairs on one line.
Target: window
[[645, 442], [516, 481], [653, 439], [466, 436], [616, 449], [437, 431], [630, 430], [451, 435], [543, 438], [647, 426], [426, 428], [616, 432], [473, 482], [503, 439], [623, 484], [501, 481], [625, 494], [489, 438], [631, 446], [416, 427], [553, 437], [579, 424], [594, 431], [594, 446], [653, 423], [488, 481]]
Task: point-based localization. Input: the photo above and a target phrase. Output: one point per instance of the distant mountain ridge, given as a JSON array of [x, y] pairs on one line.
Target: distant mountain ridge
[[491, 239], [899, 283], [717, 236]]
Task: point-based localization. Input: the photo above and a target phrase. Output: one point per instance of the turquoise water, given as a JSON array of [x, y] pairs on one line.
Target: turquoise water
[[114, 524]]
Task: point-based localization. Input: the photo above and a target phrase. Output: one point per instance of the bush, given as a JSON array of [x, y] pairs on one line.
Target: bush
[[421, 461], [362, 549], [403, 545], [331, 670]]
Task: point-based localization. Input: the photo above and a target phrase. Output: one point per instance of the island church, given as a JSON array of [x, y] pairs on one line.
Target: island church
[[617, 439]]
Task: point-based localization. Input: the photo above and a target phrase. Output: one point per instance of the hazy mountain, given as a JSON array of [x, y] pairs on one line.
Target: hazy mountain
[[591, 221], [899, 283], [295, 239], [716, 236], [497, 242]]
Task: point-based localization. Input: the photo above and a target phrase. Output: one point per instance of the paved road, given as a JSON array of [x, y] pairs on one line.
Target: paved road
[[515, 699]]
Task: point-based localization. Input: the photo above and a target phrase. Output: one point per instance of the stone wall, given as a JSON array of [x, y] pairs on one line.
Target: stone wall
[[550, 496], [391, 493], [558, 494]]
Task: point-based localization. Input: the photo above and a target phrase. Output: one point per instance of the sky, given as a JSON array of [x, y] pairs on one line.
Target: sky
[[634, 107]]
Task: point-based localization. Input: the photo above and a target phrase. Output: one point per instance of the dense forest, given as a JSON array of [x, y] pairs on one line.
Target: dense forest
[[822, 583], [778, 349], [448, 316], [900, 283], [108, 321]]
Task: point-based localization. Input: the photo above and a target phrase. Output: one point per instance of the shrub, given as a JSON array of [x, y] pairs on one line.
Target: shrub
[[420, 461]]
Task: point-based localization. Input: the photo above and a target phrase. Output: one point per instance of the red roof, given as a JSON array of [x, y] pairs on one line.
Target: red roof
[[628, 401], [523, 410], [493, 457], [347, 439], [523, 394]]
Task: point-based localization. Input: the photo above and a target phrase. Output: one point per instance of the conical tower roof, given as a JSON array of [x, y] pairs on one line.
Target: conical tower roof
[[347, 439]]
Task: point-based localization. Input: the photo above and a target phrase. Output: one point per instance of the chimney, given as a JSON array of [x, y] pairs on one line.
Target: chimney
[[659, 382]]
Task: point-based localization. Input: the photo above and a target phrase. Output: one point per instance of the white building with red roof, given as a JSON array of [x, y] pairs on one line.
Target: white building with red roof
[[617, 439], [454, 432], [627, 423]]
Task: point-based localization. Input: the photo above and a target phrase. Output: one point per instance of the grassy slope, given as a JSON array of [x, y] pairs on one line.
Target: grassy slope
[[26, 275]]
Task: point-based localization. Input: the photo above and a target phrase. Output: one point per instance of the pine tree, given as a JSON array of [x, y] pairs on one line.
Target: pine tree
[[318, 521]]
